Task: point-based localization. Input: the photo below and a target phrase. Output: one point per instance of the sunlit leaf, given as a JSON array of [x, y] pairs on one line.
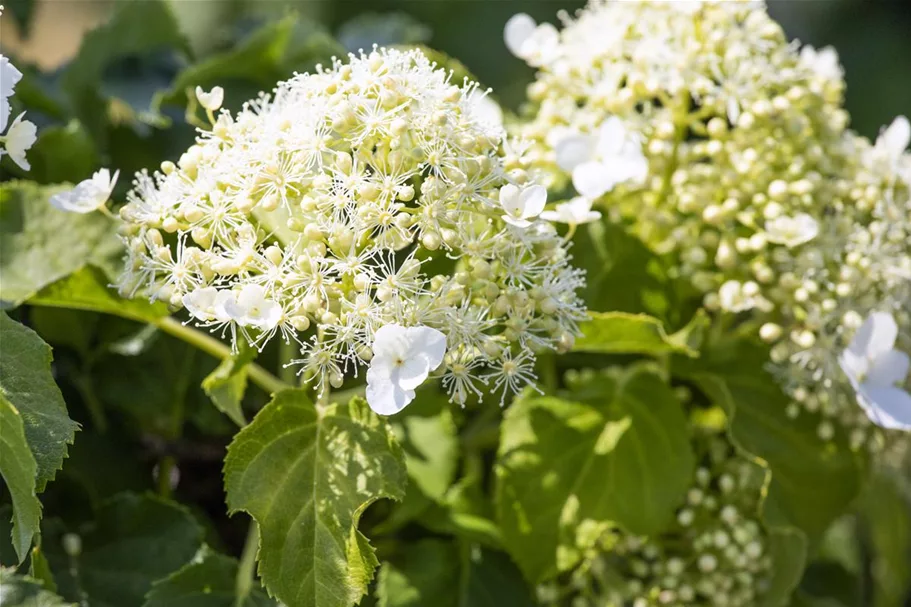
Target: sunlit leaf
[[622, 333], [18, 468], [228, 382], [306, 474], [621, 457]]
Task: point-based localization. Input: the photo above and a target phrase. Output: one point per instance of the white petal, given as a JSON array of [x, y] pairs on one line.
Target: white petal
[[519, 223], [20, 137], [888, 369], [590, 180], [391, 341], [619, 169], [412, 373], [510, 199], [223, 300], [573, 150], [9, 78], [897, 137], [386, 398], [887, 407], [251, 296], [875, 337], [517, 31], [854, 366], [4, 113], [199, 303], [611, 136], [430, 343], [270, 314], [532, 201]]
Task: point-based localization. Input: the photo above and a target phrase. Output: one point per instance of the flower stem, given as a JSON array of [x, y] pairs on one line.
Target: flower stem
[[246, 571], [208, 344]]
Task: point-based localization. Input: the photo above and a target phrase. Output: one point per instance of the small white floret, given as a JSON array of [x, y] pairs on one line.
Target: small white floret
[[403, 357]]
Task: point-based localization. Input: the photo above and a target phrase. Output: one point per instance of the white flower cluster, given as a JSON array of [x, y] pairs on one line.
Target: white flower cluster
[[371, 211], [725, 149], [21, 134]]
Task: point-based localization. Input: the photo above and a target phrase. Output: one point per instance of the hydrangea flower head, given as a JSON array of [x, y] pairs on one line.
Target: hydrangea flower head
[[370, 196], [739, 172]]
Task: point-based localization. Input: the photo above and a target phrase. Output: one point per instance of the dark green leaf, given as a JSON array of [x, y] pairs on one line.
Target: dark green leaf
[[886, 515], [624, 333], [788, 548], [136, 28], [135, 541], [623, 459], [26, 382], [24, 591], [40, 244], [209, 580], [17, 465], [383, 29], [446, 574], [62, 153], [228, 382], [306, 474], [813, 481]]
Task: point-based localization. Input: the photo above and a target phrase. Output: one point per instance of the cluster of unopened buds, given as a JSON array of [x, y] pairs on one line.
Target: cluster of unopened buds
[[376, 214], [725, 149]]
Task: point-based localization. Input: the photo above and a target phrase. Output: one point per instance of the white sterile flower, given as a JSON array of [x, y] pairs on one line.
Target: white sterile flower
[[88, 195], [403, 357], [253, 308], [598, 163], [576, 211], [211, 100], [208, 304], [894, 140], [792, 231], [875, 370], [823, 62], [522, 204], [9, 77], [19, 138], [527, 40]]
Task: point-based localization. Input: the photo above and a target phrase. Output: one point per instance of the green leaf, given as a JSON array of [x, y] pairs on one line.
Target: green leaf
[[886, 513], [624, 333], [306, 474], [209, 580], [383, 29], [135, 541], [446, 574], [17, 465], [62, 153], [270, 54], [813, 481], [228, 382], [24, 591], [86, 289], [429, 438], [788, 549], [26, 382], [623, 457], [136, 28], [40, 244]]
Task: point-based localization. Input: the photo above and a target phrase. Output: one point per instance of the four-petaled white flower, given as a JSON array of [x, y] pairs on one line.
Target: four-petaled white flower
[[575, 212], [875, 370], [536, 44], [522, 204], [403, 357], [211, 100], [791, 231], [19, 138], [9, 77], [600, 162], [823, 62], [88, 195], [208, 304], [252, 308]]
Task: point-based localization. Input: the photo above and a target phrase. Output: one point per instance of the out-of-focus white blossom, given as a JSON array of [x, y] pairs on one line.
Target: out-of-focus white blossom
[[368, 194], [598, 163], [9, 78], [574, 212], [88, 195], [530, 41], [876, 370], [754, 190], [403, 357]]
